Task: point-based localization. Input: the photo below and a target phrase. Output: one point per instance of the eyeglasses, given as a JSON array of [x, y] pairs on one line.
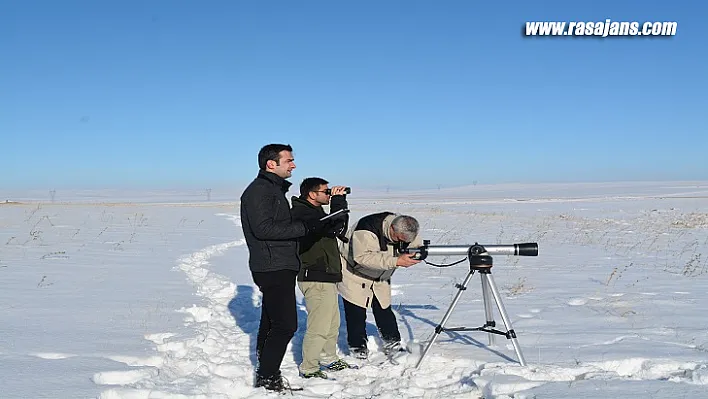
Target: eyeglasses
[[327, 192]]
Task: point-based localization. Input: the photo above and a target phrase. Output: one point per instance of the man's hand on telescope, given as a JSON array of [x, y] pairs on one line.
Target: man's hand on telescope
[[406, 260]]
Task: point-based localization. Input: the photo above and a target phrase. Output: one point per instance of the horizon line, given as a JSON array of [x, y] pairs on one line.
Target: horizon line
[[434, 186]]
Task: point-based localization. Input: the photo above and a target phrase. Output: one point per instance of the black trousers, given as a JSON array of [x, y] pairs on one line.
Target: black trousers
[[278, 318], [356, 323]]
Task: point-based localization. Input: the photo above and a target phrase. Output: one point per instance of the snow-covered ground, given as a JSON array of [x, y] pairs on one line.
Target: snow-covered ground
[[148, 295]]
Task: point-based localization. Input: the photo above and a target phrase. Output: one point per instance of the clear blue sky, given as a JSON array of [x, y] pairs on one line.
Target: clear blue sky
[[370, 93]]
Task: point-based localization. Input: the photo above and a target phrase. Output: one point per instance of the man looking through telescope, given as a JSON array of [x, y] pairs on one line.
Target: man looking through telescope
[[368, 264]]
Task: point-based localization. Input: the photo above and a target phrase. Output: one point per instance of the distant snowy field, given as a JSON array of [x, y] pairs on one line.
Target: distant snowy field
[[114, 294]]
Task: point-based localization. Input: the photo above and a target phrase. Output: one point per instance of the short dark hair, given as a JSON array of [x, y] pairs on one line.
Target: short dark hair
[[311, 184], [271, 152]]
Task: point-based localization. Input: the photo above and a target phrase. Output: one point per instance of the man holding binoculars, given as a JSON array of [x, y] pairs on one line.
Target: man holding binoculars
[[320, 272]]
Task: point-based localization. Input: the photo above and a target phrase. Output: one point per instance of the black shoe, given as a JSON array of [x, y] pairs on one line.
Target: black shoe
[[361, 352], [275, 382]]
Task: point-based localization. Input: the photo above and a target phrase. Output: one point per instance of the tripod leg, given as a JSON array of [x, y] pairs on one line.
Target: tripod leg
[[489, 312], [504, 316], [440, 327]]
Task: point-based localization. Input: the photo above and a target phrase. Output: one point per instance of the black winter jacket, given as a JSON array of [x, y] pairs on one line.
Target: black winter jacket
[[319, 253], [269, 230]]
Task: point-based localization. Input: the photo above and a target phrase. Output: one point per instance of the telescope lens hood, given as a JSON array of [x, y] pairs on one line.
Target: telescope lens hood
[[527, 249]]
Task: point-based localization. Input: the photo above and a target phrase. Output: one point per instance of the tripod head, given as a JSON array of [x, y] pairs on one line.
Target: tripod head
[[477, 253]]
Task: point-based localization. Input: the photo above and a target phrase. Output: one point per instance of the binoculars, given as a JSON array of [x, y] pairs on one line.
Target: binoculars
[[347, 190]]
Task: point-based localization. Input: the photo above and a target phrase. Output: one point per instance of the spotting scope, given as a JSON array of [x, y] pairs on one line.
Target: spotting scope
[[422, 252]]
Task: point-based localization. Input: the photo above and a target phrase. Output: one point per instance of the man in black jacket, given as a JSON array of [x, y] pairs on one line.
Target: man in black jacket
[[271, 236], [321, 270]]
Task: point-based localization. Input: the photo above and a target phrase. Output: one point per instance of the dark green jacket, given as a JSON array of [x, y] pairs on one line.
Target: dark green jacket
[[319, 253]]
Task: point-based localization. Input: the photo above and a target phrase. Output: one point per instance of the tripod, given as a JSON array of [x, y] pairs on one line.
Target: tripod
[[483, 265]]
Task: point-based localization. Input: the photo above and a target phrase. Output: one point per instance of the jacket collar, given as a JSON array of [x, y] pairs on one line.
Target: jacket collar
[[275, 179], [387, 226], [299, 201]]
